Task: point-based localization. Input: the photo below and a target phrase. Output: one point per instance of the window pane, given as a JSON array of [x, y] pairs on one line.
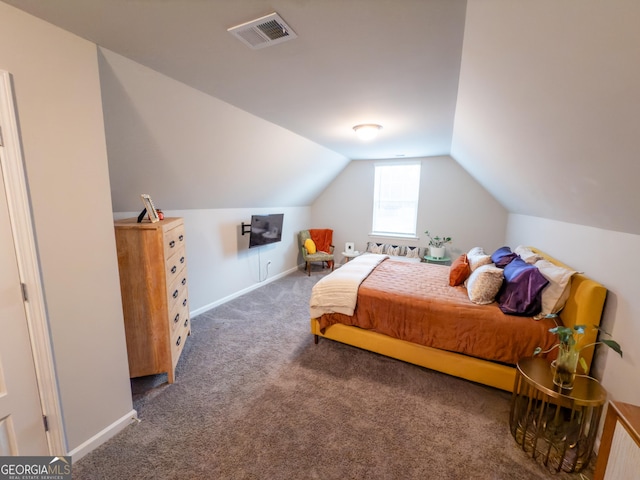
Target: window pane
[[395, 199]]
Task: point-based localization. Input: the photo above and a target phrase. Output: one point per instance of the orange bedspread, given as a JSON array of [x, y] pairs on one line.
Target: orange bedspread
[[414, 302]]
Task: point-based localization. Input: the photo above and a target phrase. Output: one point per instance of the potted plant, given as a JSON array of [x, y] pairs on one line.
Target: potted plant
[[566, 364], [437, 245]]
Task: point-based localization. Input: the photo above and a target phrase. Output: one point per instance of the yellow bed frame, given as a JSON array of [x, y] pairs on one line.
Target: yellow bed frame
[[584, 307]]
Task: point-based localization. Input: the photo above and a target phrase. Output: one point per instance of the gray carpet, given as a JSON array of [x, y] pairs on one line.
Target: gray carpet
[[254, 398]]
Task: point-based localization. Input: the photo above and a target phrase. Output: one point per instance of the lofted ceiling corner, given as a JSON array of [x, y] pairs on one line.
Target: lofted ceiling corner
[[190, 150]]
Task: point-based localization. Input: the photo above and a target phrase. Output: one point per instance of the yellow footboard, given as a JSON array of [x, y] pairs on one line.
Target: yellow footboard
[[463, 366]]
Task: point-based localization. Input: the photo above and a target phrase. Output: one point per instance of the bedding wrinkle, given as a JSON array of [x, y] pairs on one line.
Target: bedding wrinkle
[[414, 302]]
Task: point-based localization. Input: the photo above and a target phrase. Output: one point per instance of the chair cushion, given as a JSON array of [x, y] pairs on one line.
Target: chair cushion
[[310, 245], [320, 257]]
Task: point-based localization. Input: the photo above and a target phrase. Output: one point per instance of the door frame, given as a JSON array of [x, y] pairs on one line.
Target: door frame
[[29, 268]]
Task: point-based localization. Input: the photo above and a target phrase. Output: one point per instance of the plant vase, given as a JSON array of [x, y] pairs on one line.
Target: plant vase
[[564, 367], [437, 252]]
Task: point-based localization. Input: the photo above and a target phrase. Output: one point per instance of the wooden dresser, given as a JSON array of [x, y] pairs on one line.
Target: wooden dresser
[[153, 283]]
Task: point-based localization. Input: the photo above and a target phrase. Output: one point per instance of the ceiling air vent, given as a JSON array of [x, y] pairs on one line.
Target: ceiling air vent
[[263, 32]]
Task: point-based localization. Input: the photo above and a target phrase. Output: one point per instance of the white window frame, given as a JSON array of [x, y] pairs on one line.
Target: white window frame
[[382, 228]]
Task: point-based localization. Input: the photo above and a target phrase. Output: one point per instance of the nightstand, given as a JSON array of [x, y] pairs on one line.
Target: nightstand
[[440, 260], [555, 426], [350, 255]]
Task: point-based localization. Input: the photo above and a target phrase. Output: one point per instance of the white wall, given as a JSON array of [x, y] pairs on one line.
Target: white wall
[[617, 269], [220, 265], [57, 91], [451, 203]]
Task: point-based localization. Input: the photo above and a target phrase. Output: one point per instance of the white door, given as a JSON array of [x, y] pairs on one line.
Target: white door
[[22, 430]]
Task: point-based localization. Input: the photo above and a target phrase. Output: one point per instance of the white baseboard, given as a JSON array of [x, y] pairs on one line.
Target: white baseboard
[[104, 435], [255, 286]]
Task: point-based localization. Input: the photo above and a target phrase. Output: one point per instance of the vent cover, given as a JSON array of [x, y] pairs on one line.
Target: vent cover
[[263, 32]]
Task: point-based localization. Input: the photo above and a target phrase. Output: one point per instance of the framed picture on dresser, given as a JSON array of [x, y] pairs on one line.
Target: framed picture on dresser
[[151, 209]]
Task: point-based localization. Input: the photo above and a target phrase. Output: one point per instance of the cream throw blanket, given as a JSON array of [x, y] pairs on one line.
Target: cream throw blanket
[[338, 291]]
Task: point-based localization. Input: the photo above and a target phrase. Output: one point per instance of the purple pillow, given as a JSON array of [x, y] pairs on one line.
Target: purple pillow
[[521, 292], [503, 256]]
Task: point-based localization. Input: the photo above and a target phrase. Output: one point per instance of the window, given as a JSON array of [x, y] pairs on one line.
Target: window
[[395, 199]]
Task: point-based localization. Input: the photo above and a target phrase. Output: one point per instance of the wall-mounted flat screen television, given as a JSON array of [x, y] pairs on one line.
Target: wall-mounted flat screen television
[[265, 229]]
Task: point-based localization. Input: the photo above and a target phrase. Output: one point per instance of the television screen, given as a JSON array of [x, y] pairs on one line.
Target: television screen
[[265, 229]]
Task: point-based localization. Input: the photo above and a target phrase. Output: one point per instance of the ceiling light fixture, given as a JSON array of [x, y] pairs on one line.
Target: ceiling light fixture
[[367, 131]]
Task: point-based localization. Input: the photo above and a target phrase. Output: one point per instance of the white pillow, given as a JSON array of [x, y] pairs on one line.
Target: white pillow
[[555, 294], [484, 283], [527, 254], [477, 258], [391, 250], [413, 252], [375, 248]]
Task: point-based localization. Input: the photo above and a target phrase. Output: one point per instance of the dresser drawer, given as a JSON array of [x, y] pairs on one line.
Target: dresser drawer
[[177, 289], [178, 339], [175, 264], [179, 312], [173, 241]]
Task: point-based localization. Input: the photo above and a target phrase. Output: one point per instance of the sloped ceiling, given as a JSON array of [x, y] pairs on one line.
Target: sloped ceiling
[[547, 116], [537, 99], [392, 62], [190, 150]]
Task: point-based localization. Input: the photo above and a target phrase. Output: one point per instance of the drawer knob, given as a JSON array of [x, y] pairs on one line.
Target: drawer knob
[[184, 281], [184, 302], [175, 294], [186, 322], [173, 269], [181, 259], [181, 238], [178, 341], [175, 320], [172, 243]]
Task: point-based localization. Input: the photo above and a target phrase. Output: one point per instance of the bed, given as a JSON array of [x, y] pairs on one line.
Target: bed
[[448, 332]]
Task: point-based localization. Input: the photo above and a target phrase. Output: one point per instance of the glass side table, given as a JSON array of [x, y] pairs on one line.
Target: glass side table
[[555, 426]]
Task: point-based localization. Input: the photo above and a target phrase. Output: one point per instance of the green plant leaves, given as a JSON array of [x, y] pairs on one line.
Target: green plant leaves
[[615, 346], [437, 241], [566, 336]]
